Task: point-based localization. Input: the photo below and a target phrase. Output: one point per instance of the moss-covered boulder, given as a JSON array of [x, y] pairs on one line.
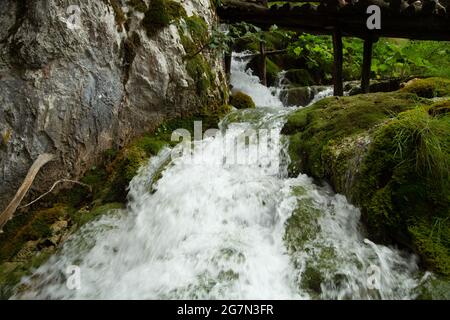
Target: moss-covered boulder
[[160, 14], [440, 108], [389, 153], [241, 100], [299, 77], [429, 87]]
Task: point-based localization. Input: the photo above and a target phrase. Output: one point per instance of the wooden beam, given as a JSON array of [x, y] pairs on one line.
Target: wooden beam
[[337, 66], [262, 63], [350, 21], [367, 62]]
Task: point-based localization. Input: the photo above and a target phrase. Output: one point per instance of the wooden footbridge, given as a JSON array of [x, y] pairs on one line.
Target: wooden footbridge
[[420, 20]]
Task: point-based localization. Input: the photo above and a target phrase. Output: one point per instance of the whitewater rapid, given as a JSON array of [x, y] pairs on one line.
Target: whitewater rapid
[[215, 227]]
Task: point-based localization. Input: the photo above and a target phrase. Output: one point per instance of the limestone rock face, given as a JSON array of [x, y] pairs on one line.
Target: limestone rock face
[[79, 77]]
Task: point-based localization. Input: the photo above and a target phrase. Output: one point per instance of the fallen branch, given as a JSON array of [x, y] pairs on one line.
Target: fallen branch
[[53, 187], [31, 175]]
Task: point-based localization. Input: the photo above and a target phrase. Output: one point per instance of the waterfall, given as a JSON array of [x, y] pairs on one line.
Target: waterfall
[[225, 222]]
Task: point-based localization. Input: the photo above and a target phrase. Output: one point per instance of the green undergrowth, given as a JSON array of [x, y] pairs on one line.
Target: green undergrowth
[[389, 153]]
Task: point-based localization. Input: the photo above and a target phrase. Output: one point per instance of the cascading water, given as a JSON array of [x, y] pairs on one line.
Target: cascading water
[[225, 221]]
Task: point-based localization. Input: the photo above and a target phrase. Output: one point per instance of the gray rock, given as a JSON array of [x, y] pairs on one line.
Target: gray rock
[[300, 96], [70, 92]]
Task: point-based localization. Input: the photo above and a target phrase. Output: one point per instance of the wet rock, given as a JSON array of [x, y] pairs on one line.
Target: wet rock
[[300, 96]]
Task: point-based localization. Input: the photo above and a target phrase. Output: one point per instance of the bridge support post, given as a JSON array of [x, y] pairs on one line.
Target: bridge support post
[[262, 63], [228, 65], [337, 66], [367, 61]]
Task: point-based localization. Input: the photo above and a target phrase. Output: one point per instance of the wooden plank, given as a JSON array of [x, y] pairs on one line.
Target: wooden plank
[[367, 62], [395, 24], [337, 67]]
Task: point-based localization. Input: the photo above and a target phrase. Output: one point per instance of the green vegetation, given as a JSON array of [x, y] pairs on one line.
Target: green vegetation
[[241, 100], [160, 14], [429, 88], [390, 154], [331, 119], [392, 58]]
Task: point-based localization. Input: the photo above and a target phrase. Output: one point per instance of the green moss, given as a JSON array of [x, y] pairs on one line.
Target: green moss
[[405, 186], [390, 156], [175, 10], [82, 217], [194, 34], [241, 100], [272, 71], [312, 279], [198, 30], [28, 227], [160, 14], [440, 108], [12, 272], [299, 77], [429, 87], [335, 118], [200, 71], [432, 241]]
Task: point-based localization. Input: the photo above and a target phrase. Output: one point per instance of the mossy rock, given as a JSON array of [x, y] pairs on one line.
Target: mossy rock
[[440, 108], [26, 227], [429, 87], [272, 72], [299, 77], [200, 71], [160, 14], [81, 217], [434, 288], [241, 100], [389, 153], [334, 118]]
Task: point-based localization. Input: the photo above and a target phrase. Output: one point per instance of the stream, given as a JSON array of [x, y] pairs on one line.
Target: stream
[[225, 221]]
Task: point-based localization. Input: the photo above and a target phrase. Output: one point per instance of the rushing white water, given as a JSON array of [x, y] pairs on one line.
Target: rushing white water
[[225, 222]]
